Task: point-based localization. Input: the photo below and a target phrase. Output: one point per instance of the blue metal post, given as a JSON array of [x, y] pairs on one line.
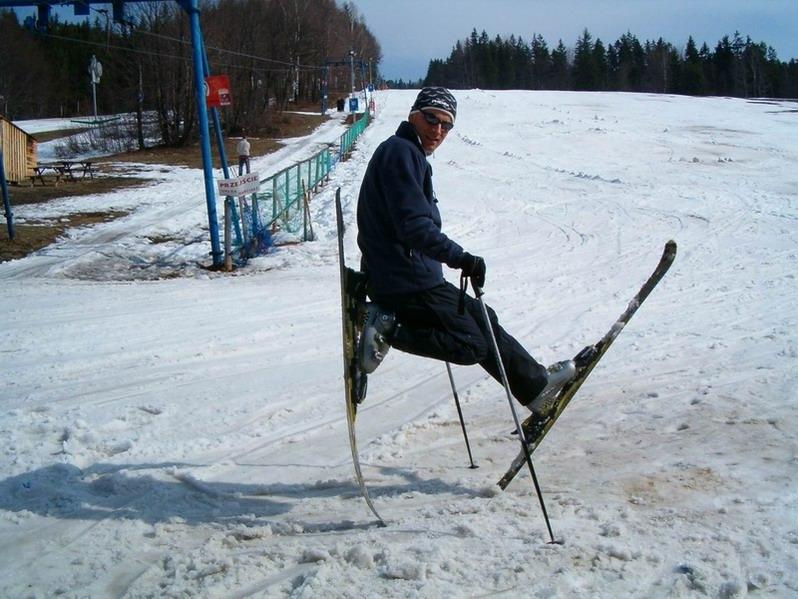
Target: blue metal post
[[192, 9], [255, 216], [217, 129], [6, 200], [365, 88]]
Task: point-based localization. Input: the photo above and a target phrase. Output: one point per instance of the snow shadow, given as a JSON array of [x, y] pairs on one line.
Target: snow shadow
[[126, 492], [167, 492], [415, 483]]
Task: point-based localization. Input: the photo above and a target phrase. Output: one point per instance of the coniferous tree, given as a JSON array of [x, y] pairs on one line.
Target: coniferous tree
[[631, 63], [24, 72], [474, 61], [600, 66], [584, 70], [541, 63], [737, 67], [789, 85], [458, 66], [488, 68], [613, 68], [523, 54], [723, 67], [560, 70], [659, 75], [692, 81], [754, 65], [705, 56]]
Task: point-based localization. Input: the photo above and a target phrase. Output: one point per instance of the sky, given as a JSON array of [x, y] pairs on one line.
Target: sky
[[412, 32]]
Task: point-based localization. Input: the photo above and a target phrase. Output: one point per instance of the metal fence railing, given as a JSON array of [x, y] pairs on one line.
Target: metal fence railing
[[282, 196], [282, 201], [348, 139]]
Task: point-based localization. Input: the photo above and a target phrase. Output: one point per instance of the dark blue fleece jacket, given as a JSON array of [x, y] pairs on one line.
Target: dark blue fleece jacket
[[399, 226]]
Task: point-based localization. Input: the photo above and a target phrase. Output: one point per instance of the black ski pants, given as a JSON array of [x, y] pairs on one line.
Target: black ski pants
[[431, 325]]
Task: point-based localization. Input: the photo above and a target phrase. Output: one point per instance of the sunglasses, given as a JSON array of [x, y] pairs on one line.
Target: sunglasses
[[433, 120]]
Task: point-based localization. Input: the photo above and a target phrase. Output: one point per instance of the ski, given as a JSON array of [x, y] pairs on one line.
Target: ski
[[534, 427], [353, 298]]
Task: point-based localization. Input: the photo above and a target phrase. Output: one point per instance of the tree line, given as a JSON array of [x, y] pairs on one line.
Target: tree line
[[273, 51], [736, 66]]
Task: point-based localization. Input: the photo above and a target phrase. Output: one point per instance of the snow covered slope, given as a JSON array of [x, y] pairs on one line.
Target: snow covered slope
[[186, 436]]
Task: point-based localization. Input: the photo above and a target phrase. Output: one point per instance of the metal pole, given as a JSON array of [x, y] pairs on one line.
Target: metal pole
[[352, 69], [255, 219], [324, 74], [460, 414], [228, 256], [6, 199], [96, 71], [365, 85], [94, 98], [217, 129], [140, 110], [479, 293], [244, 235], [192, 8]]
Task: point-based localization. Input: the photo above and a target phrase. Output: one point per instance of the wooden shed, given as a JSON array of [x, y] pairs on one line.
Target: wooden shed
[[19, 152]]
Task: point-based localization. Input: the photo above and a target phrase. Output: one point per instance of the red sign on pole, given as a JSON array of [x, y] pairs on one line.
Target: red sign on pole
[[217, 91]]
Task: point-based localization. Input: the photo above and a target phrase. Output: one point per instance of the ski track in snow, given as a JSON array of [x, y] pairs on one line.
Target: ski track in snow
[[172, 432]]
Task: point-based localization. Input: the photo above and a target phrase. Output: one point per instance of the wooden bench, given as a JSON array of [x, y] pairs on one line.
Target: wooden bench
[[72, 167], [87, 168], [40, 170], [64, 169]]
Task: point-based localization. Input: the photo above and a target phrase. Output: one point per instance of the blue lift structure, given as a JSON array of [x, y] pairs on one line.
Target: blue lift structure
[[346, 62], [191, 7]]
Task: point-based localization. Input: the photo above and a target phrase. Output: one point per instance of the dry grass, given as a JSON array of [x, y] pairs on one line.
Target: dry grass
[[33, 236]]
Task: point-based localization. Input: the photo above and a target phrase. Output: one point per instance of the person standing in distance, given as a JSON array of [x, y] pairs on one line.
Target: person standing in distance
[[243, 154]]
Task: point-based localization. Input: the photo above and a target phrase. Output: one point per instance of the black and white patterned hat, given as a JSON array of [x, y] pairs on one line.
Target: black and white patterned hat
[[439, 98]]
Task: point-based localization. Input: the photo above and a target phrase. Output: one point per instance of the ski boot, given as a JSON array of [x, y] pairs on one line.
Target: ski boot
[[559, 374], [378, 325]]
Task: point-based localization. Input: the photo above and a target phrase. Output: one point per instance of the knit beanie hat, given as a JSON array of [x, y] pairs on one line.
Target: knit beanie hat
[[439, 98]]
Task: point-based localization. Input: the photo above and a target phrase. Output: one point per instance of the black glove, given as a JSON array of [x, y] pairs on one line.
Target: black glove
[[474, 267]]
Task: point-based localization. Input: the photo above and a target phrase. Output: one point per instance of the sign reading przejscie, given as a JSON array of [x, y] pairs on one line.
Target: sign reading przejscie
[[239, 186]]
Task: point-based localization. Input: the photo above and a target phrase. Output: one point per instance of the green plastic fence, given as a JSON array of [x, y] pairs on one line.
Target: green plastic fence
[[280, 199]]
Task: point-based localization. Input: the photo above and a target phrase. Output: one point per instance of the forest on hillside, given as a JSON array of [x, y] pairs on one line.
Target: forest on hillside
[[736, 66], [273, 51]]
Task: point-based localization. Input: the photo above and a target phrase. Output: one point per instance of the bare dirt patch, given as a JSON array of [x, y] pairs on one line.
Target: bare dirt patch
[[36, 194], [30, 237]]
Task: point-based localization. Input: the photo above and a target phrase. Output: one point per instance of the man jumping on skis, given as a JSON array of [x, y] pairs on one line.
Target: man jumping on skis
[[403, 249]]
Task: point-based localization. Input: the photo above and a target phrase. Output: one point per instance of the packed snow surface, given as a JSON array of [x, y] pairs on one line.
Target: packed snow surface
[[170, 432]]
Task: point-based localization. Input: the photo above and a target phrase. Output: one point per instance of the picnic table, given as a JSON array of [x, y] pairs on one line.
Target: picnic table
[[42, 169], [72, 167], [63, 169]]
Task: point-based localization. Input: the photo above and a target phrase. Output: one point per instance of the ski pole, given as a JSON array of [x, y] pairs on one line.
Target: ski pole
[[460, 414], [479, 293]]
